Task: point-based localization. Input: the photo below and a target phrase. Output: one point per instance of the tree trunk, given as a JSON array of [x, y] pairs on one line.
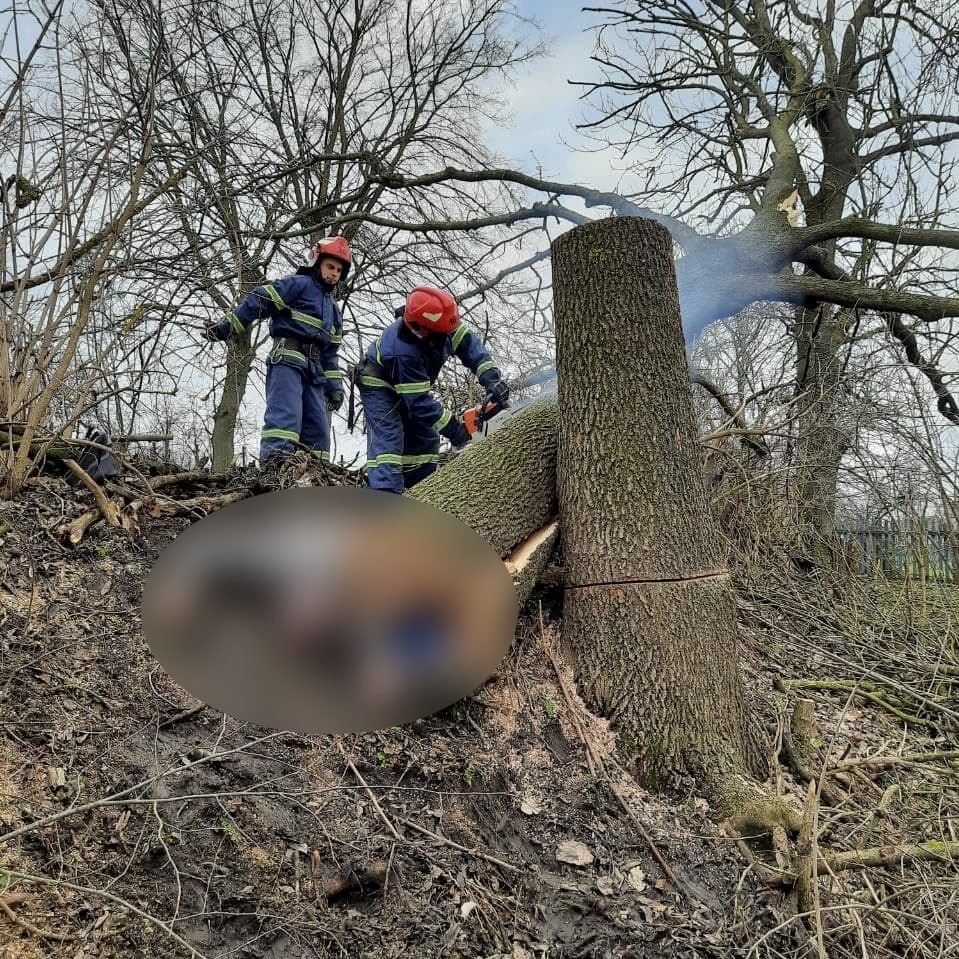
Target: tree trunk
[[821, 331], [650, 615], [821, 440], [239, 359]]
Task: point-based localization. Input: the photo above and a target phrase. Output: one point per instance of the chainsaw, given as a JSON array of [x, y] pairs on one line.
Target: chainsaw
[[476, 419], [487, 417]]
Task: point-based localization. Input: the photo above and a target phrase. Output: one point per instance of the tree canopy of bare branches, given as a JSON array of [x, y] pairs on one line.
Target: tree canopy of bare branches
[[261, 128]]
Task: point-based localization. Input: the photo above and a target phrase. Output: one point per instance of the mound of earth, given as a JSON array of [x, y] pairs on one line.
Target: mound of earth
[[135, 821]]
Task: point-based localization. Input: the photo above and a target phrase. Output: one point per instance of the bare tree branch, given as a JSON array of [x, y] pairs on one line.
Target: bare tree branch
[[734, 415], [681, 233], [867, 229], [538, 211]]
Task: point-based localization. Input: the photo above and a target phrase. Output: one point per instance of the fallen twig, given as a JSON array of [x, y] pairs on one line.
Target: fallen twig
[[455, 845], [107, 507], [89, 890], [7, 901], [206, 503], [181, 716], [120, 797], [905, 759], [77, 529], [863, 689], [766, 874], [881, 856], [376, 805], [190, 476]]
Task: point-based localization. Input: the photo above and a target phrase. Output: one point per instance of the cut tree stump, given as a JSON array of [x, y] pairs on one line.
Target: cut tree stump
[[650, 616], [528, 561]]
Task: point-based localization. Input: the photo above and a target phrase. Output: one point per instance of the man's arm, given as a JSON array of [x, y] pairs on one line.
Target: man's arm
[[413, 387], [330, 352], [260, 303], [473, 354]]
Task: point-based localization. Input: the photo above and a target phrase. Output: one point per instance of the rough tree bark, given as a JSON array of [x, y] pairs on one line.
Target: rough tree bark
[[505, 489], [650, 616], [659, 653], [239, 360], [821, 332], [820, 335], [240, 354]]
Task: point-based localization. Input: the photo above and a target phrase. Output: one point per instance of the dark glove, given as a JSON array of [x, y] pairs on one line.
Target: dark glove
[[334, 400], [493, 382], [212, 333], [457, 434]]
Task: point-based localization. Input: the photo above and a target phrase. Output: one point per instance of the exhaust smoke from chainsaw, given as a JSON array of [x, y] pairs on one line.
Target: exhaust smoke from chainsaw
[[329, 610]]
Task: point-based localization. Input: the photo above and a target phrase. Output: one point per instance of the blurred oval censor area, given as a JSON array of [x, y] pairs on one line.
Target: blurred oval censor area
[[329, 610]]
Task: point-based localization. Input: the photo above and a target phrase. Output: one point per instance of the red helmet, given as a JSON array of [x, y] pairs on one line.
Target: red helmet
[[432, 310], [336, 247]]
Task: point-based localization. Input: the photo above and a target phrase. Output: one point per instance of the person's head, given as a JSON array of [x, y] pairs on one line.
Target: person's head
[[332, 258], [431, 310]]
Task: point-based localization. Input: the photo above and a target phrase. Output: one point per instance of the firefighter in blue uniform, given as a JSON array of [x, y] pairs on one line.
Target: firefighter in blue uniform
[[404, 421], [304, 383]]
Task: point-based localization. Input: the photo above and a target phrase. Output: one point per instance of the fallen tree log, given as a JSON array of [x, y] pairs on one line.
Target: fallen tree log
[[106, 506], [504, 488], [527, 562], [52, 447]]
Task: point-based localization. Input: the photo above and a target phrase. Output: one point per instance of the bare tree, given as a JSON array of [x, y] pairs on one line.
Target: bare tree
[[295, 113], [814, 148], [67, 213]]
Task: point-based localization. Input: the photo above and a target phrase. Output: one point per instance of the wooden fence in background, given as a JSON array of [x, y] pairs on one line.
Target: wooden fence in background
[[919, 553]]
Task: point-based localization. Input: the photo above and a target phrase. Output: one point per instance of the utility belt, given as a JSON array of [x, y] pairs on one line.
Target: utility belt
[[311, 349], [368, 367]]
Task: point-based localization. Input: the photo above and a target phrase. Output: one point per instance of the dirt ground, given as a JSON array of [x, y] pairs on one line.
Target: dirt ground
[[136, 822]]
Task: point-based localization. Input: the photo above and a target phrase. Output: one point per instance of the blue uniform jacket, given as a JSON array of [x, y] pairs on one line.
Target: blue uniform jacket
[[410, 366], [299, 306]]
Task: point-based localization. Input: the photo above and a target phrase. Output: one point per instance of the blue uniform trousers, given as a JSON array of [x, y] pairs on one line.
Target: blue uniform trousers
[[296, 415], [400, 450]]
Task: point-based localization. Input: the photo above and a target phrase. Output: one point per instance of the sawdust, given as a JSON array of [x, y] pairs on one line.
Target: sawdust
[[22, 602], [505, 706]]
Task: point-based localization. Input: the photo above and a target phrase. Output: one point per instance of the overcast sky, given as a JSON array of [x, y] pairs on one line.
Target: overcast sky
[[546, 106]]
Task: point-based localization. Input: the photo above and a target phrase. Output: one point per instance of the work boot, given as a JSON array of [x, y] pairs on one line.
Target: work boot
[[272, 472]]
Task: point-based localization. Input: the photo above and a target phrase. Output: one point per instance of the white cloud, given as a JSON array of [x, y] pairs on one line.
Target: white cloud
[[545, 109], [544, 106]]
